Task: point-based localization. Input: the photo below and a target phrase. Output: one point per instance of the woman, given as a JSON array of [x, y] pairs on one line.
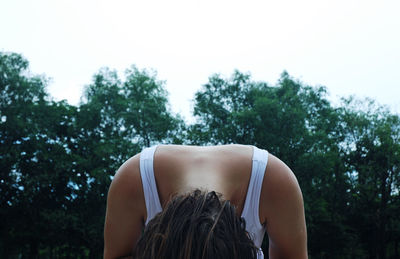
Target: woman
[[263, 190]]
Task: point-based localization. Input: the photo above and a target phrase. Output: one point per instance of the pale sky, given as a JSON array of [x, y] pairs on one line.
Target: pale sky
[[351, 47]]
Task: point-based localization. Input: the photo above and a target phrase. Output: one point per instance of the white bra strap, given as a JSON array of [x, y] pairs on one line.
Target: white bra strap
[[153, 205]]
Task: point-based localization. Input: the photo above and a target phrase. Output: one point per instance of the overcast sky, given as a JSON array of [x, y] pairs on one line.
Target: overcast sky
[[351, 47]]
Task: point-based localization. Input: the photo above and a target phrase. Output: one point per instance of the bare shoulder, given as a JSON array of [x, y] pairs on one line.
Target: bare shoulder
[[128, 175], [127, 182], [278, 184], [279, 178], [125, 210], [282, 209]]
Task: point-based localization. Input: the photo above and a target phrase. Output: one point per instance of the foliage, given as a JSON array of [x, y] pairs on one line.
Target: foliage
[[346, 159], [57, 160]]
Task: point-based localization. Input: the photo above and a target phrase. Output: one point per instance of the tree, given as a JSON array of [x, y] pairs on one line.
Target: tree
[[34, 159], [372, 149], [294, 122], [57, 160], [115, 121]]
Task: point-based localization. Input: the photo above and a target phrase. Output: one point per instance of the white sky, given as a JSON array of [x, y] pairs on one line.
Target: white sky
[[351, 47]]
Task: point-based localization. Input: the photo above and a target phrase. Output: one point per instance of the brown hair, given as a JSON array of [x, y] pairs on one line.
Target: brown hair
[[196, 225]]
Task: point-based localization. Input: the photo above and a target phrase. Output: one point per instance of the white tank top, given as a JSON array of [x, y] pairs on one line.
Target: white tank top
[[251, 206]]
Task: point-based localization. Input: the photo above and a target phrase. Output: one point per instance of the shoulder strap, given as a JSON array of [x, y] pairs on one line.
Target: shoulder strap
[[153, 205], [252, 203]]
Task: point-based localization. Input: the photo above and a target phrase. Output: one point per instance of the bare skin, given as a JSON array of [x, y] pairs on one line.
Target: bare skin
[[224, 169]]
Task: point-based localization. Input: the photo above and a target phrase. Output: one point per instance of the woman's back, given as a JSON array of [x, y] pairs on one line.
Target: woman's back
[[276, 205], [223, 169]]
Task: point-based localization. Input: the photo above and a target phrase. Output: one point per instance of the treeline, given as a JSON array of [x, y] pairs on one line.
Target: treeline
[[57, 160]]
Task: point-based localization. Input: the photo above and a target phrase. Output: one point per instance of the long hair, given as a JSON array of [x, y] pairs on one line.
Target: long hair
[[198, 225]]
